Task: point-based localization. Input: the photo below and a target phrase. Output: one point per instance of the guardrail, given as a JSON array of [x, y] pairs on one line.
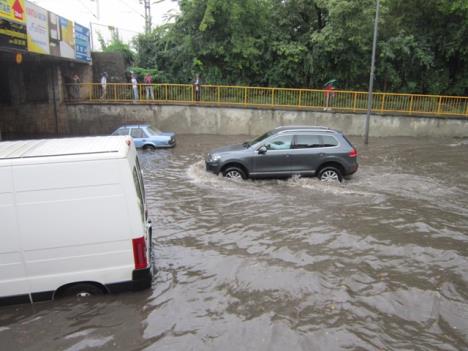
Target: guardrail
[[336, 100]]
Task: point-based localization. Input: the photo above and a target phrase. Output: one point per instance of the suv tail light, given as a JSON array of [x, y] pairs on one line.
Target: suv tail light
[[352, 153], [139, 253]]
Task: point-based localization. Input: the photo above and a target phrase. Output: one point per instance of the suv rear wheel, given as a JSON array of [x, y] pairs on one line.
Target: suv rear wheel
[[234, 173], [330, 174]]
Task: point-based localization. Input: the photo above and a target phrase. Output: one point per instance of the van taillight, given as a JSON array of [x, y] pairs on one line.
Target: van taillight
[[352, 153], [139, 253]]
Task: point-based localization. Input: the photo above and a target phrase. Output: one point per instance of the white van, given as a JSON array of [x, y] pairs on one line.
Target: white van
[[73, 219]]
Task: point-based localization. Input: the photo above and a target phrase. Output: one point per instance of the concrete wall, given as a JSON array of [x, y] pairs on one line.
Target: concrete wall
[[103, 119], [114, 64]]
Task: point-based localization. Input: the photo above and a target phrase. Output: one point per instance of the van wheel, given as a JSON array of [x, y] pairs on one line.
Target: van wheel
[[330, 174], [234, 173], [149, 147], [81, 290]]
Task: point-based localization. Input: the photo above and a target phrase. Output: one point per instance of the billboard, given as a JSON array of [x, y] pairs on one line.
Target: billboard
[[67, 38], [12, 35], [54, 34], [12, 10], [12, 27], [25, 26], [82, 43], [37, 25]]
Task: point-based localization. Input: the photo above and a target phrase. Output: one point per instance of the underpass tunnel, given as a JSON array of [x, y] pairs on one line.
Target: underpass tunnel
[[32, 93]]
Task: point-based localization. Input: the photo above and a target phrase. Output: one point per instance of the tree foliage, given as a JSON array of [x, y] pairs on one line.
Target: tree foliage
[[422, 45], [115, 44]]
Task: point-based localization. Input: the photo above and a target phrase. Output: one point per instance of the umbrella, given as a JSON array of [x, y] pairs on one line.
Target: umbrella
[[331, 81]]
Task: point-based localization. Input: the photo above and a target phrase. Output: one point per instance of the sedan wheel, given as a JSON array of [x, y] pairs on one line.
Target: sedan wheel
[[149, 147]]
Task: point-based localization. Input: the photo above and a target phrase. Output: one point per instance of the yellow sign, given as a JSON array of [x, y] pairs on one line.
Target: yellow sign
[[12, 10]]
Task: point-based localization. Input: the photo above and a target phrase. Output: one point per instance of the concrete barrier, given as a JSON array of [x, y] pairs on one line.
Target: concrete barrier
[[94, 119]]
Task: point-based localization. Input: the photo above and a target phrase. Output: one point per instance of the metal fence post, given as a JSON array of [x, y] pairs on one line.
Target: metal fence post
[[411, 105], [382, 106], [439, 105], [273, 97]]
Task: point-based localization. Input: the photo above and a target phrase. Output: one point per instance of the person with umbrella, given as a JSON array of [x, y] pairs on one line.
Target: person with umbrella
[[329, 93]]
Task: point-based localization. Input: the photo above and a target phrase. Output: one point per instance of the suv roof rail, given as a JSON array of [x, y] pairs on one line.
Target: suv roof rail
[[301, 126]]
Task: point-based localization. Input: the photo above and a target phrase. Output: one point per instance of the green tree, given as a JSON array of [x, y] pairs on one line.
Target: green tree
[[116, 44], [422, 44]]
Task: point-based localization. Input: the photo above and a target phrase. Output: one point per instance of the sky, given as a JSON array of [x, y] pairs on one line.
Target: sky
[[127, 15]]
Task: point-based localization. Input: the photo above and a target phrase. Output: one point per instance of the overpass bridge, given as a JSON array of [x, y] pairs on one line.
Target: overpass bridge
[[269, 98], [219, 109]]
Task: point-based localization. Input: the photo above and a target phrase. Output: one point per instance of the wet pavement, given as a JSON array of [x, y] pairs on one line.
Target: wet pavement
[[376, 263]]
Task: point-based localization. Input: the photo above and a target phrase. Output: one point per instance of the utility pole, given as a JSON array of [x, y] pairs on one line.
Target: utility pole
[[371, 78], [147, 16], [98, 17]]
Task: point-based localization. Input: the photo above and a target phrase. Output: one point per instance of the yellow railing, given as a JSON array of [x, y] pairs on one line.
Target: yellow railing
[[337, 100]]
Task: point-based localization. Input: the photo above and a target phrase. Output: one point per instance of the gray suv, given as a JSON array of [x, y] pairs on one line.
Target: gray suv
[[288, 151]]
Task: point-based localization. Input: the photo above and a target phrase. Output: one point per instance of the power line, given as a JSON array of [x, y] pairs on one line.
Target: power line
[[87, 9], [131, 8], [109, 26]]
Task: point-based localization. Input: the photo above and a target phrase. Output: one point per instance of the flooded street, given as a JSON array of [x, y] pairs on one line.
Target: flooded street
[[379, 262]]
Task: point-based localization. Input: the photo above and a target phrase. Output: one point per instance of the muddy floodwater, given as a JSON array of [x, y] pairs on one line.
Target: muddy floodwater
[[379, 262]]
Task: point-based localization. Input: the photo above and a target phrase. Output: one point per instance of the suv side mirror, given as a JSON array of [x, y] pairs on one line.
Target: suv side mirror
[[262, 150]]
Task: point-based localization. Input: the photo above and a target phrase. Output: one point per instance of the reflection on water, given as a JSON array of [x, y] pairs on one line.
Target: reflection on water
[[376, 263]]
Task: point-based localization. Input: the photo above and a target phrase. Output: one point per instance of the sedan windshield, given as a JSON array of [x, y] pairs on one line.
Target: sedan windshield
[[153, 131], [258, 139]]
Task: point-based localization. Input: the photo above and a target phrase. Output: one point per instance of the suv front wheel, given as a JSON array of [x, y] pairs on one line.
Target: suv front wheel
[[234, 173], [330, 174]]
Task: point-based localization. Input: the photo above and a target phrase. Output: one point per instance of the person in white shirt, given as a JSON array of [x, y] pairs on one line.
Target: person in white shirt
[[103, 85], [135, 87]]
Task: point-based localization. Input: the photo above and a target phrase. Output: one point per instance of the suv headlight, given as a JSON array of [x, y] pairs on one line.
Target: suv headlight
[[214, 158]]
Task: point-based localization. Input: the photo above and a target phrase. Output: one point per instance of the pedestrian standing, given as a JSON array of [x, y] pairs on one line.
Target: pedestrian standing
[[135, 87], [149, 86], [197, 87], [76, 86], [329, 94], [103, 85]]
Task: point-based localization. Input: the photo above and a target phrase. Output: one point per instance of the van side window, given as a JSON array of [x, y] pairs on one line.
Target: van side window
[[137, 133], [307, 141], [136, 182]]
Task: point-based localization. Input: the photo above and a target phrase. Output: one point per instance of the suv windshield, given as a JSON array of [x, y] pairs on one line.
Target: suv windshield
[[258, 139], [153, 131]]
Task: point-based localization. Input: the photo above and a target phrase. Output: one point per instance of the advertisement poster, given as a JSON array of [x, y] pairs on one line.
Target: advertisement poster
[[12, 10], [37, 29], [82, 43], [67, 38], [54, 34], [12, 35]]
